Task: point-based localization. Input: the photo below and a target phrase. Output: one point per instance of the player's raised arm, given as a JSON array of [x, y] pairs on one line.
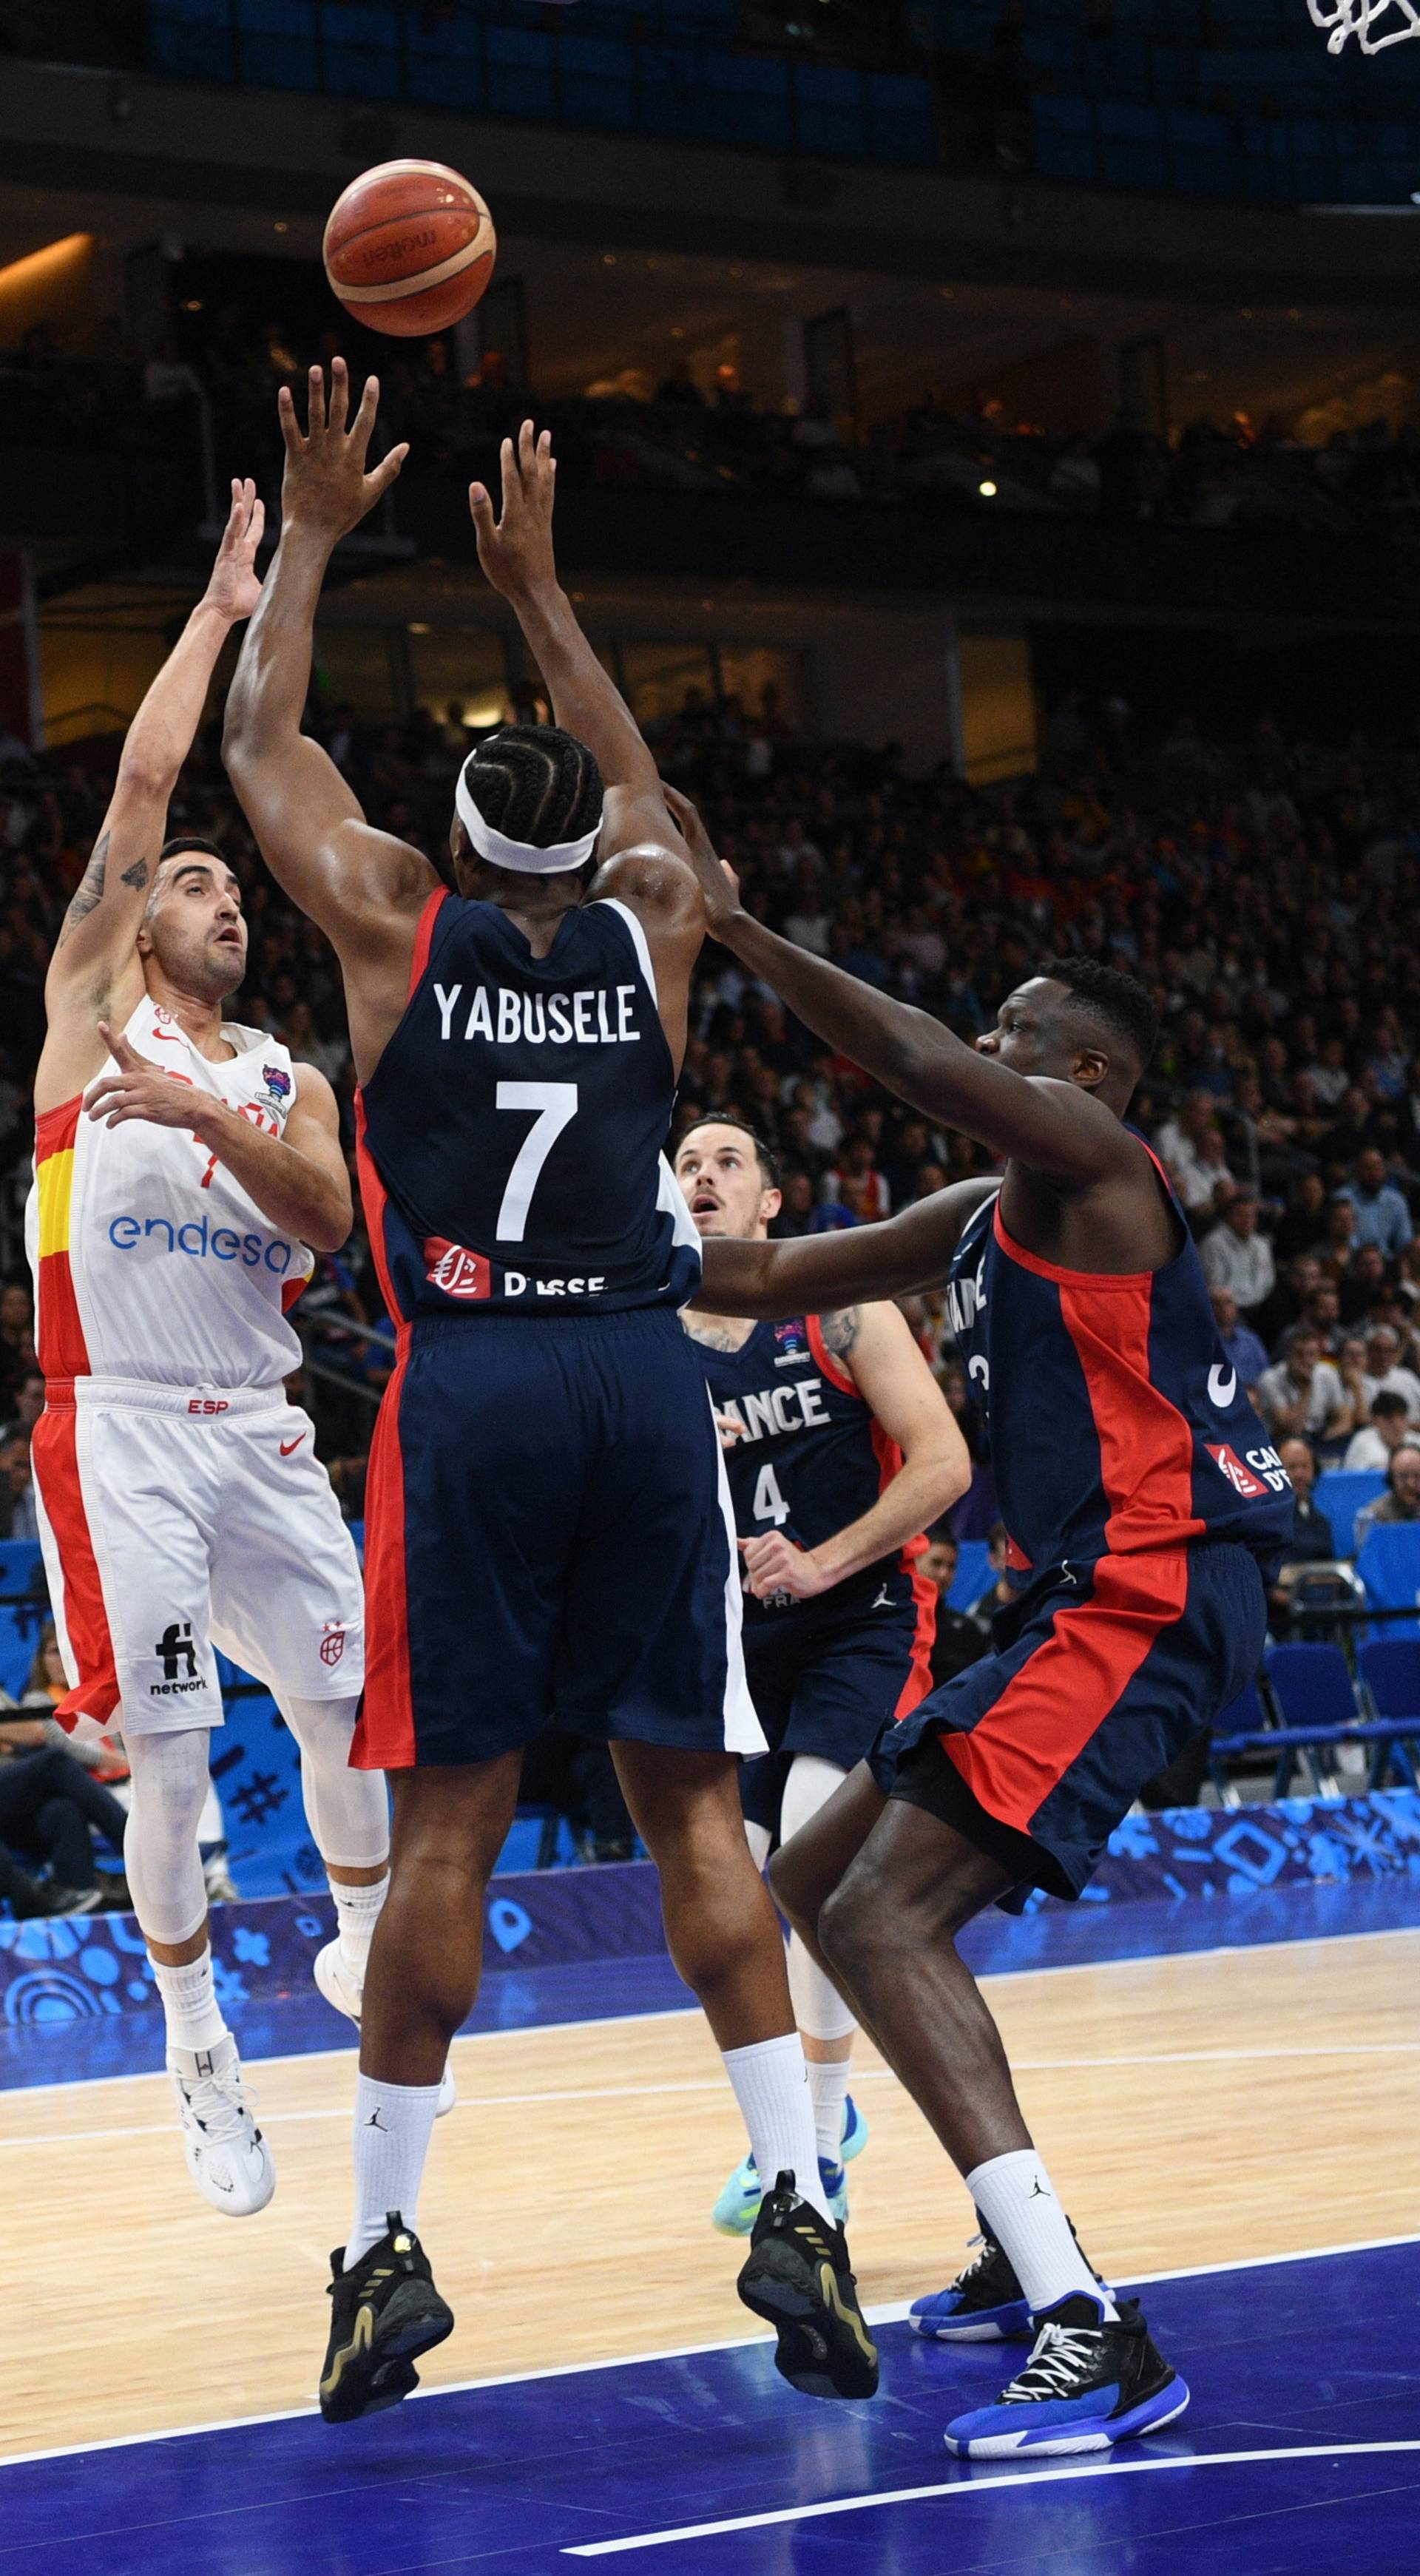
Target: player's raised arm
[[365, 888], [1055, 1127], [100, 928], [815, 1273]]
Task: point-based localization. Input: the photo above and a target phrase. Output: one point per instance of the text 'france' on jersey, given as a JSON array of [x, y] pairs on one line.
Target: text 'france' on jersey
[[1117, 1421], [810, 1458], [510, 1136]]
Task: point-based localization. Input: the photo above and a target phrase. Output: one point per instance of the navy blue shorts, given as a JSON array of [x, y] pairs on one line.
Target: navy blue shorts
[[1104, 1673], [825, 1683], [548, 1532]]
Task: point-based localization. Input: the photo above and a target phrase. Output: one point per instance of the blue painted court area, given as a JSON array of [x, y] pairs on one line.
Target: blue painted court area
[[1300, 2453]]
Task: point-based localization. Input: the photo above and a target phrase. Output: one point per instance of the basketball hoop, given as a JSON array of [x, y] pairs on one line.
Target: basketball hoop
[[1359, 18]]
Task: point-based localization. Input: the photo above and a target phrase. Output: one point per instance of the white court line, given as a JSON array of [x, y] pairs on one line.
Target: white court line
[[684, 2012], [711, 2084], [886, 2315], [979, 2487]]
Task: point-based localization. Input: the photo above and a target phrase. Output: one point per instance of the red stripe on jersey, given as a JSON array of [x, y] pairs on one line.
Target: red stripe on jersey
[[59, 1339], [54, 1460], [1047, 1713], [924, 1636], [833, 1371], [374, 1201], [1146, 1444], [291, 1290], [384, 1730], [423, 937], [1107, 1279]]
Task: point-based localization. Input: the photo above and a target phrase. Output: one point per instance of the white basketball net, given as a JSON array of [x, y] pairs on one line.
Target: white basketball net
[[1360, 18]]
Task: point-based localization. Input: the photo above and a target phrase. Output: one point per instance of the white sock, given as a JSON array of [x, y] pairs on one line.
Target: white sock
[[393, 2126], [190, 2006], [828, 2091], [772, 2089], [357, 1911], [1015, 2197]]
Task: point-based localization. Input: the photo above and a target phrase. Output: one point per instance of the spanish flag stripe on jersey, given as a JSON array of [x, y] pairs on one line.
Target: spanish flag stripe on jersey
[[61, 1346]]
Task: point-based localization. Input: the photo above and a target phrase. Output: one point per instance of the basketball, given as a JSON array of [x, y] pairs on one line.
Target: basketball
[[409, 248]]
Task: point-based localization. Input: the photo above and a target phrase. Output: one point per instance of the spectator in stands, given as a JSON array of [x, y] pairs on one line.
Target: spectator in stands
[[1381, 1212], [958, 1640], [1237, 1257], [1385, 1374], [29, 1405], [45, 1687], [1181, 1143], [1375, 1444], [1302, 1394], [1401, 1499], [1246, 1353], [1312, 1541], [999, 1593], [18, 1512], [17, 1348], [48, 1802], [855, 1182]]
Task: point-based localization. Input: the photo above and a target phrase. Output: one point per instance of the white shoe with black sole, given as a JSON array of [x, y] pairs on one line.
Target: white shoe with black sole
[[333, 1978]]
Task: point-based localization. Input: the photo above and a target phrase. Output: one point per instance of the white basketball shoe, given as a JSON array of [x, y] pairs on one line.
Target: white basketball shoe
[[335, 1981], [227, 2156]]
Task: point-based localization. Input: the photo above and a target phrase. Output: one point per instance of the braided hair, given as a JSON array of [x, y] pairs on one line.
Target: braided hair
[[535, 783]]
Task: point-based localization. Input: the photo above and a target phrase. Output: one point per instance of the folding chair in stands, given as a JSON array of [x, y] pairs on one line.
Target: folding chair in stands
[[1244, 1716], [1390, 1676], [1315, 1698]]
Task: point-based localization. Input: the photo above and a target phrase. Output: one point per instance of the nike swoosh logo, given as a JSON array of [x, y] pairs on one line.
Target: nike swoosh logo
[[287, 1446], [1222, 1385]]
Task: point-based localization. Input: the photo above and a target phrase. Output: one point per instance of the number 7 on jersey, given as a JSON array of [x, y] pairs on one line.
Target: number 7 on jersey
[[554, 1105]]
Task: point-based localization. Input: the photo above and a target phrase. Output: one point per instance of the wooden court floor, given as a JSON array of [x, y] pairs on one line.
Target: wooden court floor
[[1194, 2110]]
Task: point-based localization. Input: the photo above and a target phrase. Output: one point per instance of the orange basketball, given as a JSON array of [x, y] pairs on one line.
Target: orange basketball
[[409, 248]]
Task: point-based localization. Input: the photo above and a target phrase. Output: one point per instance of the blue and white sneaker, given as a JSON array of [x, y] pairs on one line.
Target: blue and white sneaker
[[1087, 2385], [737, 2208], [985, 2303]]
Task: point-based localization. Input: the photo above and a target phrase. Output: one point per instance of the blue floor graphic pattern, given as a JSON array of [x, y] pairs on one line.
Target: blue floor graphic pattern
[[1299, 2455], [599, 1989]]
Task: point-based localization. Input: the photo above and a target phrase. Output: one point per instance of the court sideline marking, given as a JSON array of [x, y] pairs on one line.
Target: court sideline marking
[[708, 2084], [976, 2487], [891, 2315]]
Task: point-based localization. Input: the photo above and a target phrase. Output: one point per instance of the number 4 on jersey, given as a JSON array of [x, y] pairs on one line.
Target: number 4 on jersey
[[769, 1503]]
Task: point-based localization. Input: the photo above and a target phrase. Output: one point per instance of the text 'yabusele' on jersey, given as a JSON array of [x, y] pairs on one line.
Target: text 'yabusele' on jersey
[[510, 1136]]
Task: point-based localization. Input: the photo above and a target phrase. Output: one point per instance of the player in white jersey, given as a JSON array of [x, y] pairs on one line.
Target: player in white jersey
[[185, 1169]]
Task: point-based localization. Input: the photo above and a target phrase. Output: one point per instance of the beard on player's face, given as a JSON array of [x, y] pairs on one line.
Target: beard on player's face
[[207, 966]]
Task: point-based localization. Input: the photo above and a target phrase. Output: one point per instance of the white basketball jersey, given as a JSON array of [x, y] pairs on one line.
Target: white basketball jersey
[[150, 1260]]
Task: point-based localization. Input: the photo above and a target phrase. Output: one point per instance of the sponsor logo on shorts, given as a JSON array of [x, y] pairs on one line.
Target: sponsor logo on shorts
[[1269, 1479], [179, 1660], [455, 1270], [332, 1644]]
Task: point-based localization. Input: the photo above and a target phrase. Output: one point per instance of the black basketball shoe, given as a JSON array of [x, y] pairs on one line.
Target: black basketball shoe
[[985, 2303], [384, 2310], [1091, 2381], [797, 2276]]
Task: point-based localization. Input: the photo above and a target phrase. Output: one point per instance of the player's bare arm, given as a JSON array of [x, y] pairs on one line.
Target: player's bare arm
[[816, 1273], [95, 972], [874, 1347], [299, 1180], [645, 863], [365, 888], [1058, 1129]]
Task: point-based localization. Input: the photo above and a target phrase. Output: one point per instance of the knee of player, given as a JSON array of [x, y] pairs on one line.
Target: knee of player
[[793, 1889], [857, 1921]]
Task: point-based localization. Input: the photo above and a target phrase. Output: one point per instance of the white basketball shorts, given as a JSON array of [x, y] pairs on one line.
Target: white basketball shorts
[[176, 1519]]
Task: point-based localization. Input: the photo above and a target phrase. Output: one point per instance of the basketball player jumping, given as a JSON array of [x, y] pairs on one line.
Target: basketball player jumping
[[183, 1165], [1146, 1507], [547, 1517], [840, 1449]]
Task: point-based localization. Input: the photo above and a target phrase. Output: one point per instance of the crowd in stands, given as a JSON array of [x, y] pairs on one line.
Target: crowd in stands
[[685, 433]]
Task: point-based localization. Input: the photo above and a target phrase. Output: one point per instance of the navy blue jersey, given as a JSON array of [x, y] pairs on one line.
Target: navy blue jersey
[[1117, 1420], [811, 1457], [510, 1135]]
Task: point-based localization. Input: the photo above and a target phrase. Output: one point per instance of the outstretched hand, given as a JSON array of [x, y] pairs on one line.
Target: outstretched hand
[[140, 1089], [234, 584], [718, 882], [515, 550], [325, 484]]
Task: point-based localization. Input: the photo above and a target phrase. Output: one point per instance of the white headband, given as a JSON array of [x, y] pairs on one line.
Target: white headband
[[503, 853]]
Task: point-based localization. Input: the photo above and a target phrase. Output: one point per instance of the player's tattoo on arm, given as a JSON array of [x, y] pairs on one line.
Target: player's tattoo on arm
[[840, 1331], [136, 876], [90, 892], [713, 1336]]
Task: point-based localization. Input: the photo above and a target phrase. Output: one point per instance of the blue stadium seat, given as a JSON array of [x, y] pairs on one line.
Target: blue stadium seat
[[598, 80], [362, 52], [1389, 1567], [1390, 1669], [828, 108], [973, 1574], [520, 81], [21, 1565], [1312, 1686], [1340, 1495], [20, 1625]]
